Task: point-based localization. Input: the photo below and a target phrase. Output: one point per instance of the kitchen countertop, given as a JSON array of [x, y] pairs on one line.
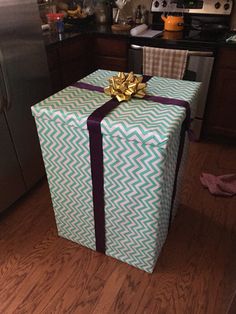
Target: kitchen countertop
[[182, 40], [91, 29]]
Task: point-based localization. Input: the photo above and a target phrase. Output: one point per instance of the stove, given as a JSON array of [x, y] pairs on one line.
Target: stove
[[213, 7], [210, 17], [206, 22]]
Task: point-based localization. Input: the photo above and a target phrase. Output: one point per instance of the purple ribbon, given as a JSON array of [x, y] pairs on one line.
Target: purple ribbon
[[87, 86], [160, 99], [96, 154], [96, 157]]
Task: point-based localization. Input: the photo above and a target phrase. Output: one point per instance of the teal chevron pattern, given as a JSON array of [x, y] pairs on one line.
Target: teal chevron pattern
[[134, 190], [140, 146], [66, 158]]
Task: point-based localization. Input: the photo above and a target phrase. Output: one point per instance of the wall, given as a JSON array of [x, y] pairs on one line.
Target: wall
[[132, 5]]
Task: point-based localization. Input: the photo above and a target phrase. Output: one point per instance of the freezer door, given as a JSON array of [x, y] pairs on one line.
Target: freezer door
[[27, 77], [11, 181]]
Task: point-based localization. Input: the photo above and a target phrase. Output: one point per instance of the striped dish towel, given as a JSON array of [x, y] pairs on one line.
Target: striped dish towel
[[169, 63]]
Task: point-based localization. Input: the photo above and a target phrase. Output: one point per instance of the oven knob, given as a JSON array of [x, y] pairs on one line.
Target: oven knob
[[217, 5], [156, 4], [227, 6], [164, 4]]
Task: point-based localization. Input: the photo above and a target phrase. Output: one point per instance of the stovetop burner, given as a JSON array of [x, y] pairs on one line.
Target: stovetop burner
[[191, 33], [203, 36], [204, 21]]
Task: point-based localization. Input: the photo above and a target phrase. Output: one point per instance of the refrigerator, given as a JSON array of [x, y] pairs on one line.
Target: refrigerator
[[24, 81]]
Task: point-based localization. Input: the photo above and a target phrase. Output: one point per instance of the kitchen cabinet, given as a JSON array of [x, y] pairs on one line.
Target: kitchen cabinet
[[111, 53], [221, 107], [69, 61], [72, 59], [76, 59], [54, 67]]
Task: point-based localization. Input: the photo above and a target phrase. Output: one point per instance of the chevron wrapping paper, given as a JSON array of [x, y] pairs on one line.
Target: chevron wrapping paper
[[140, 147]]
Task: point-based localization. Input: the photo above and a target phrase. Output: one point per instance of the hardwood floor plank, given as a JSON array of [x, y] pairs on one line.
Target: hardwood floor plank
[[195, 273], [47, 276], [232, 308], [110, 291], [85, 280], [19, 276], [129, 294]]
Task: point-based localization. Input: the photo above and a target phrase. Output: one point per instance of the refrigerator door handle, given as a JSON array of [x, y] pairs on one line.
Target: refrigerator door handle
[[5, 99]]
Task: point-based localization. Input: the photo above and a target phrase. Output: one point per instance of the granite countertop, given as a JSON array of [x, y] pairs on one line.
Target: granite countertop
[[167, 39], [91, 29]]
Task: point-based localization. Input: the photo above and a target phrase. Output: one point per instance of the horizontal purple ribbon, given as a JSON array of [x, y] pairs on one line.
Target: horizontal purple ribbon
[[87, 86], [159, 99]]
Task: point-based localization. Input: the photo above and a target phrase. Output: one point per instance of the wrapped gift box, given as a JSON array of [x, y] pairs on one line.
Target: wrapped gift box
[[140, 140]]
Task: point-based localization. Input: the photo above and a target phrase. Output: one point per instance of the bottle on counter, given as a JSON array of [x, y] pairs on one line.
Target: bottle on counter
[[145, 16], [110, 7], [101, 12], [142, 15], [59, 24], [138, 15]]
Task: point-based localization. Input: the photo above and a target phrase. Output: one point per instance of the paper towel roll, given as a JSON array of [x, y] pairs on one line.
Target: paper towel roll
[[45, 27], [138, 29]]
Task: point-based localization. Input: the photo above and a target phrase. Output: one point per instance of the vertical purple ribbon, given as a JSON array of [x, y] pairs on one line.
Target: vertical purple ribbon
[[96, 154], [96, 157]]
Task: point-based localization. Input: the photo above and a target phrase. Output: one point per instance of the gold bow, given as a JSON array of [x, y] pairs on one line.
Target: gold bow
[[124, 86]]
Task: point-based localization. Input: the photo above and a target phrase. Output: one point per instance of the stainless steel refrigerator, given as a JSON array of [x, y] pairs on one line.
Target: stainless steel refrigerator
[[24, 80]]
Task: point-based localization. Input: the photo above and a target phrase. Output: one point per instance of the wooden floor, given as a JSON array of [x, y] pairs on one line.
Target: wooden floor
[[196, 272]]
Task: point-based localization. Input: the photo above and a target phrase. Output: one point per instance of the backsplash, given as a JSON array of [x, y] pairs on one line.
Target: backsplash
[[132, 5]]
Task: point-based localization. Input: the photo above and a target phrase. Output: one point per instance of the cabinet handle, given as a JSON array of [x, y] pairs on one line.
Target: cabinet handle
[[190, 52], [5, 100]]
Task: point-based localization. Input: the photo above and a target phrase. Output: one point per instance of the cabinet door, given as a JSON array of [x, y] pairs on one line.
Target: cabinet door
[[76, 59], [222, 107], [11, 181], [111, 54], [110, 63], [111, 47], [54, 68]]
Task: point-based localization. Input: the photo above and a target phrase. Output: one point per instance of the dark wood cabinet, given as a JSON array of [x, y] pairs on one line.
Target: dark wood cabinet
[[76, 59], [72, 59], [220, 118], [69, 61], [111, 53], [54, 67]]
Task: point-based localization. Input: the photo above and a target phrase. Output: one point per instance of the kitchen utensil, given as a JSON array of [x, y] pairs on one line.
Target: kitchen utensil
[[173, 23]]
